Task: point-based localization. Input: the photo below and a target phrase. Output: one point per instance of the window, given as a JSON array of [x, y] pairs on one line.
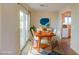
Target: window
[[67, 20], [24, 28]]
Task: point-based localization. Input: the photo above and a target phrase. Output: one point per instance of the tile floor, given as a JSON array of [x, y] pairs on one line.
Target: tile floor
[[64, 48]]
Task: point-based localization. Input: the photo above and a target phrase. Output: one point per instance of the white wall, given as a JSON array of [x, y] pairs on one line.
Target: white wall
[[0, 24], [75, 28], [10, 29], [58, 25], [37, 15]]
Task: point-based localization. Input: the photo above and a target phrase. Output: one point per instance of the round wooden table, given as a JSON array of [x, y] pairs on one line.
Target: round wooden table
[[41, 35]]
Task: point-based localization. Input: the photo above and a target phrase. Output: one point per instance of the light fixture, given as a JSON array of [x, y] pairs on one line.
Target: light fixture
[[42, 5]]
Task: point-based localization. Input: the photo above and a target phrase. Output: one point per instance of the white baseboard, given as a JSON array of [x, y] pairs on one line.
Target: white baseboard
[[7, 53]]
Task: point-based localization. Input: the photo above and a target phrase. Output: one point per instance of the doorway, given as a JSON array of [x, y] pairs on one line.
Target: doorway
[[66, 24]]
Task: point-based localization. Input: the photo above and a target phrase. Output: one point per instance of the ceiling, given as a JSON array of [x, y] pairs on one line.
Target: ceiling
[[52, 7]]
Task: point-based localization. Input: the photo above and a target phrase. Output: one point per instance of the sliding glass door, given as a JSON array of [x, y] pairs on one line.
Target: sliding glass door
[[24, 28]]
